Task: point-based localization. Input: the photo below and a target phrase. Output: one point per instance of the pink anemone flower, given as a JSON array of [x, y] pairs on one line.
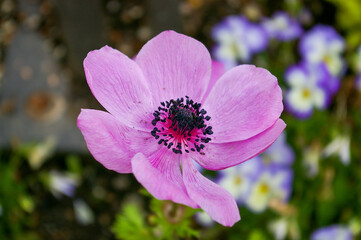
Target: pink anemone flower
[[165, 110]]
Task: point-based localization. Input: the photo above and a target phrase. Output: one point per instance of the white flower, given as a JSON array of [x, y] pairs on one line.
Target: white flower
[[83, 213], [239, 179], [279, 228], [306, 89], [204, 219], [272, 184], [39, 154], [285, 227], [339, 146], [311, 159]]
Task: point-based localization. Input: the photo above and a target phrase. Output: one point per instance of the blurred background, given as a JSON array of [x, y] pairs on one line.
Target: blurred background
[[306, 186]]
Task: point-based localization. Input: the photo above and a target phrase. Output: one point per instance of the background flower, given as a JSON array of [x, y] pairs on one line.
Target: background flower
[[282, 27], [239, 180], [280, 153], [204, 219], [334, 232], [63, 183], [266, 177], [339, 146], [272, 183], [322, 44], [83, 213], [237, 40], [309, 88]]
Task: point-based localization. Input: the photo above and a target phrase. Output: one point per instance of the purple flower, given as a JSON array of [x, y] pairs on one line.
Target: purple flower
[[282, 27], [238, 180], [237, 40], [266, 177], [159, 120], [62, 183], [280, 153], [311, 86], [322, 44], [358, 82], [334, 232]]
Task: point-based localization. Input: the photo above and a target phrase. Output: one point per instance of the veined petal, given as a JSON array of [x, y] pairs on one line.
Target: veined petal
[[175, 66], [218, 69], [244, 102], [118, 84], [111, 142], [213, 199], [223, 155], [160, 174]]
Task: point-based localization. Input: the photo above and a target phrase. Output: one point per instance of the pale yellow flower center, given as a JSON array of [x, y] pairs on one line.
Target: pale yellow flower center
[[327, 59], [237, 180], [264, 188], [306, 93]]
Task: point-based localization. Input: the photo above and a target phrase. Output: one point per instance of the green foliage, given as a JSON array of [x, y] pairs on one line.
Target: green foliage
[[349, 19], [166, 220], [173, 220], [73, 164], [130, 224], [15, 200], [257, 235]]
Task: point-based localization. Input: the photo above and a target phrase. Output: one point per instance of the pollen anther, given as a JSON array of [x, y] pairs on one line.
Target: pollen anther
[[180, 125]]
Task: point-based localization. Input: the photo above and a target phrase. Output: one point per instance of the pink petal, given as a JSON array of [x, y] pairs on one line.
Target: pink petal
[[118, 84], [213, 199], [218, 69], [223, 155], [175, 66], [112, 143], [161, 176], [243, 103]]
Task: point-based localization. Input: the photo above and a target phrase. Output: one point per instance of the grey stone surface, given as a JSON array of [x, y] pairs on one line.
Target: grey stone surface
[[38, 100], [83, 28], [34, 94], [164, 15]]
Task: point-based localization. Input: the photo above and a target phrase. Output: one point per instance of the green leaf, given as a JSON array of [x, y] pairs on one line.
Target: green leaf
[[130, 224], [257, 235], [173, 220], [166, 220]]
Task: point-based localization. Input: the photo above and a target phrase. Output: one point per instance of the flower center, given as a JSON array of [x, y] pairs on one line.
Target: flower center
[[180, 125], [327, 59], [306, 93], [263, 188], [237, 180]]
